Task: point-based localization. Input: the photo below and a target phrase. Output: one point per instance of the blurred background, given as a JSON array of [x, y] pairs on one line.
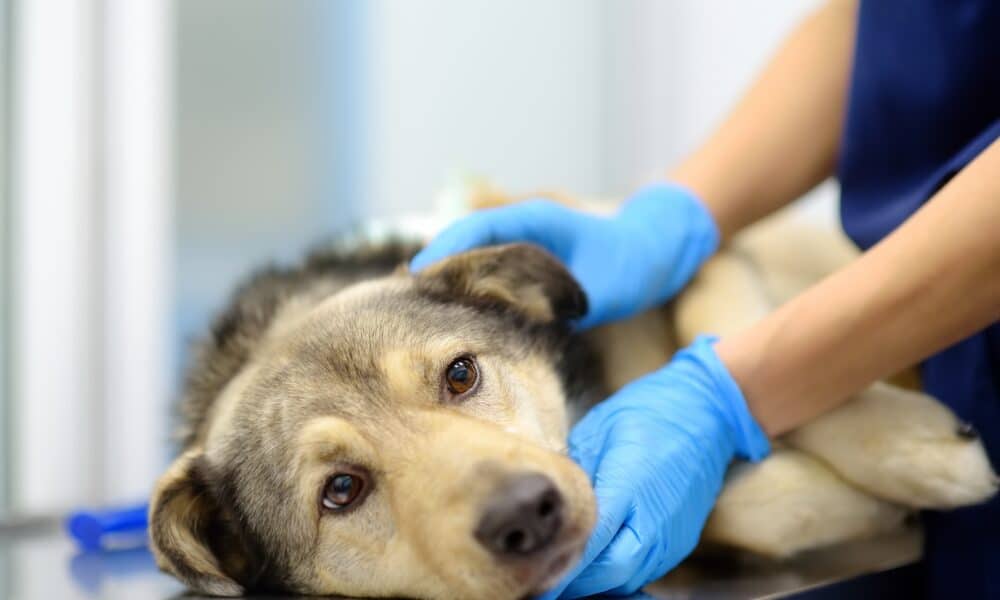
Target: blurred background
[[153, 151]]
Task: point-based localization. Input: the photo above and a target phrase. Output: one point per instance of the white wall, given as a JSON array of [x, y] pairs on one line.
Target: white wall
[[511, 90], [678, 67], [5, 395], [137, 250], [55, 353], [589, 96], [675, 69], [89, 231]]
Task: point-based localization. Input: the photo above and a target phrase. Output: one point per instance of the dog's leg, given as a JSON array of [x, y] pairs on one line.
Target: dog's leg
[[903, 446], [792, 502], [725, 297], [634, 347], [792, 253], [900, 445]]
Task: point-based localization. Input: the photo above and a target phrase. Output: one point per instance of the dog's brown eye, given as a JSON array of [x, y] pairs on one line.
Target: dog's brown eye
[[342, 490], [461, 375]]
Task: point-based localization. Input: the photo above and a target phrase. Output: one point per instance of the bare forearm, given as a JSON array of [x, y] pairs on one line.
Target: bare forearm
[[932, 282], [782, 138]]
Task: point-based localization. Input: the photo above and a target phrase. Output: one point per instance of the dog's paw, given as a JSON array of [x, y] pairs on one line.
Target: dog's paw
[[791, 502], [903, 446]]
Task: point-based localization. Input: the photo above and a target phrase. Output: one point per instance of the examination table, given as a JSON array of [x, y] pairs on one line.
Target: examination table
[[38, 561]]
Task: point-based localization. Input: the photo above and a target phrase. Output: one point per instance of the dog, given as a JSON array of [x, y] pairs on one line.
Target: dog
[[355, 429]]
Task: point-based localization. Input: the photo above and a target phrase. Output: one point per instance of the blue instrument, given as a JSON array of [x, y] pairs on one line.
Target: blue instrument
[[109, 528]]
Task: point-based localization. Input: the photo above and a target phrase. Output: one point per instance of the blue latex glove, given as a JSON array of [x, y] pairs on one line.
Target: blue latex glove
[[627, 263], [657, 452]]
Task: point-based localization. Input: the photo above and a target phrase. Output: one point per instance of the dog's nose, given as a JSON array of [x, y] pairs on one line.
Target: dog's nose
[[523, 517]]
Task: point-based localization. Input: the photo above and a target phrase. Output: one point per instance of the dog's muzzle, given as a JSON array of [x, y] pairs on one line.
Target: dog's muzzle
[[522, 518]]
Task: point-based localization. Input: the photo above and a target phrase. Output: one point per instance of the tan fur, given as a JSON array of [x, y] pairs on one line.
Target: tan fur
[[726, 297], [642, 344], [792, 502], [353, 379], [900, 445]]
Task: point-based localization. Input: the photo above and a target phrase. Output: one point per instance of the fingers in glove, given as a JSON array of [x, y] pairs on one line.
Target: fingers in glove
[[650, 569], [612, 511], [616, 565], [514, 223], [464, 234]]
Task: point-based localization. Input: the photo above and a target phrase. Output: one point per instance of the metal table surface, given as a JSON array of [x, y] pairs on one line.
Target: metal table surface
[[38, 561]]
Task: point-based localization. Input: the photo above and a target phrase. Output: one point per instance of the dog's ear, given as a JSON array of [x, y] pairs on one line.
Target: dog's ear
[[524, 277], [192, 537]]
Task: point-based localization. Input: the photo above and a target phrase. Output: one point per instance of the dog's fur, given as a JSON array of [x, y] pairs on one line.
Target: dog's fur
[[337, 365]]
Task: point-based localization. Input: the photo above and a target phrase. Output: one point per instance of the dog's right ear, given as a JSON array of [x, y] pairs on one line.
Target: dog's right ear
[[522, 277], [191, 537]]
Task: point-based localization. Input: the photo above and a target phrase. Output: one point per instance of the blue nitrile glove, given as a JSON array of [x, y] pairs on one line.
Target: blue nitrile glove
[[626, 263], [657, 452]]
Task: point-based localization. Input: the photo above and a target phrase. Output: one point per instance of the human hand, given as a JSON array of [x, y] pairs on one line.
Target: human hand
[[656, 452], [626, 263]]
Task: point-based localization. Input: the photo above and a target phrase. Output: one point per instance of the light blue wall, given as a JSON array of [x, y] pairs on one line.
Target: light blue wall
[[268, 149]]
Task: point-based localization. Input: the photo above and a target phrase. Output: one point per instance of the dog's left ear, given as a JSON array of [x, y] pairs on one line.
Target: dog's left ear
[[192, 536], [522, 277]]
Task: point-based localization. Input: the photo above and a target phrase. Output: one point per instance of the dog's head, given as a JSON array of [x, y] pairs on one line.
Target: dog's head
[[403, 436]]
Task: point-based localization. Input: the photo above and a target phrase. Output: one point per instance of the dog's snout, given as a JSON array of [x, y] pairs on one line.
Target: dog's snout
[[522, 517]]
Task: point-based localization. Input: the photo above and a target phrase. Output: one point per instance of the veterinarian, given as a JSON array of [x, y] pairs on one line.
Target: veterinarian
[[899, 100]]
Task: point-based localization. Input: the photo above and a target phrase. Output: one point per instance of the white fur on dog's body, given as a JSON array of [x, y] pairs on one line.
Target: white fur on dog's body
[[852, 473]]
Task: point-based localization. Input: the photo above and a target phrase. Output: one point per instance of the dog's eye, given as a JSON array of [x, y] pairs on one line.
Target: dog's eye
[[461, 375], [342, 490]]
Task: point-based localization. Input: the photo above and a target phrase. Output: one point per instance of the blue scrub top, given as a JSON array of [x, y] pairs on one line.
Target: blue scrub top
[[925, 101]]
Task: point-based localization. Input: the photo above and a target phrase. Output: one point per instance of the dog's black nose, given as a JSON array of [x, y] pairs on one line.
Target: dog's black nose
[[523, 517]]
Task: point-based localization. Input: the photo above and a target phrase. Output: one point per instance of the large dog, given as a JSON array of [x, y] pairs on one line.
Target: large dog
[[359, 430]]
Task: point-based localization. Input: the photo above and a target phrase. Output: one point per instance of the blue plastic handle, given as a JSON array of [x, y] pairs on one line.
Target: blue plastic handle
[[91, 528]]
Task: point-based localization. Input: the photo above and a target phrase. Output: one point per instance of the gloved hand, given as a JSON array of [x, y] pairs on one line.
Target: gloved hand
[[627, 263], [657, 452]]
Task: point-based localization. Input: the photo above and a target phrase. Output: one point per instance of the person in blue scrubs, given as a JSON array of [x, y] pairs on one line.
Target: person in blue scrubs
[[899, 100]]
